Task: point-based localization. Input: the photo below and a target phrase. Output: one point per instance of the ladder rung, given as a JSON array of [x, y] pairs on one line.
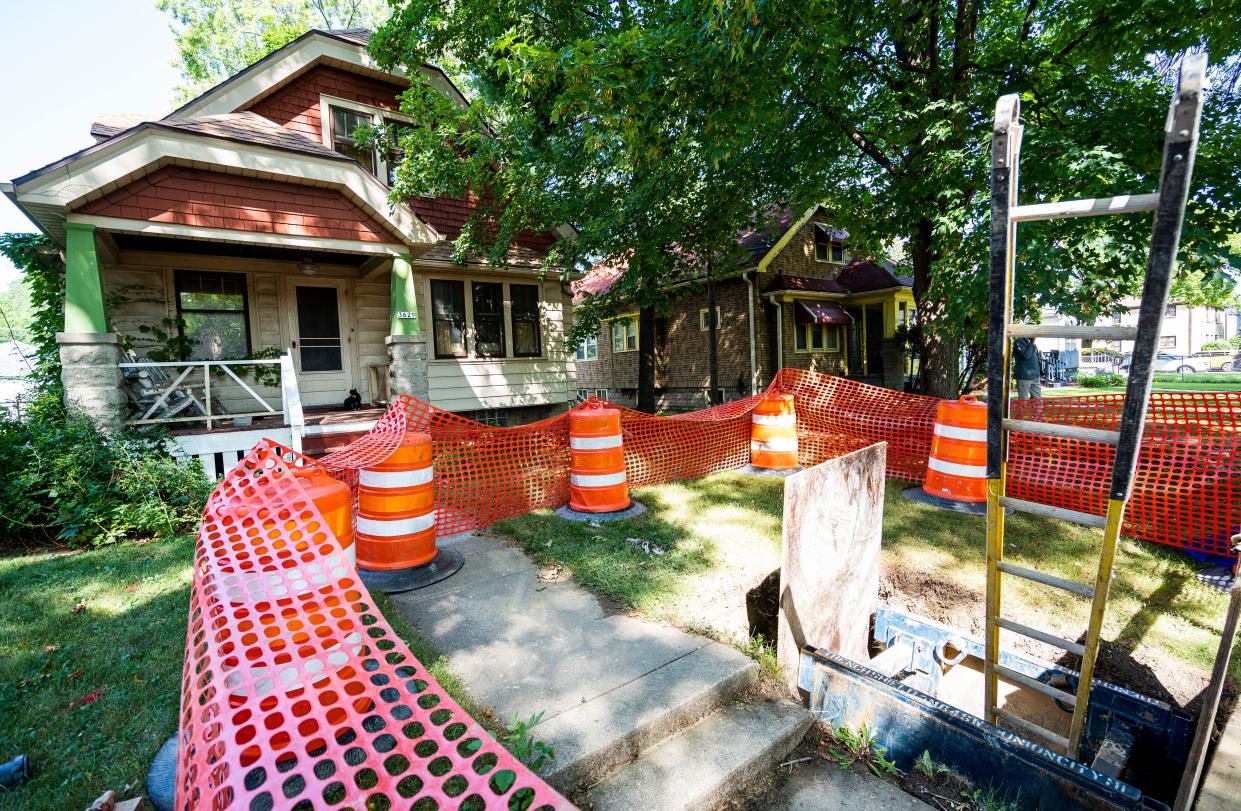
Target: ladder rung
[[1046, 579], [1041, 636], [1090, 207], [1036, 685], [1063, 431], [1085, 331], [1030, 729], [1059, 513]]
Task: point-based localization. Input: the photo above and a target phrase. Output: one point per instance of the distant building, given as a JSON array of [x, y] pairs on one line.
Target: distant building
[[1185, 330], [16, 364]]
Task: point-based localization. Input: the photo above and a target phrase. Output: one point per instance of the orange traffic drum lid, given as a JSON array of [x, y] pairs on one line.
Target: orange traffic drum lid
[[776, 404], [414, 451], [967, 412], [594, 422]]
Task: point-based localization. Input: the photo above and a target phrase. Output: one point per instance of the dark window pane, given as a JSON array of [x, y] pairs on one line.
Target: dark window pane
[[318, 327], [213, 306], [527, 341], [211, 291], [448, 317], [488, 319], [395, 131], [801, 337], [344, 123]]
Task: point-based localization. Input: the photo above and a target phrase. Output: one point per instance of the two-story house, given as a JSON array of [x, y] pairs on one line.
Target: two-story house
[[800, 300], [249, 220]]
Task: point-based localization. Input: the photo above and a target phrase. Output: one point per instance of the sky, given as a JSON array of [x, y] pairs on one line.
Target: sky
[[65, 61]]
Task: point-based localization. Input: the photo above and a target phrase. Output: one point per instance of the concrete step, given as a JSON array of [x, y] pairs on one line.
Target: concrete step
[[708, 763], [603, 734]]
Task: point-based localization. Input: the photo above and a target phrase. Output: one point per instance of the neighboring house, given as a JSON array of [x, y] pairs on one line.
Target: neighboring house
[[17, 360], [1185, 330], [801, 301], [252, 214]]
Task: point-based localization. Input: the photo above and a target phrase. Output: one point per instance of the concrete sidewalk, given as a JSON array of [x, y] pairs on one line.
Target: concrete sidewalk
[[625, 701]]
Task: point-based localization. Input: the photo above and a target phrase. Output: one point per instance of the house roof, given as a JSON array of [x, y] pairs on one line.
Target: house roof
[[783, 282], [859, 276]]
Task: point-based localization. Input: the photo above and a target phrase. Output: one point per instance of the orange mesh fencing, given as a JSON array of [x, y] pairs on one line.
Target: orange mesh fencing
[[296, 692], [1186, 491]]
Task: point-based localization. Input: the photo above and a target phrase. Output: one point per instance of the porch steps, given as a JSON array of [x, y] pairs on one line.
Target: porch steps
[[715, 760]]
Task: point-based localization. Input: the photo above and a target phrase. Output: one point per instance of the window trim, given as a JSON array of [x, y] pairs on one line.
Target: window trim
[[377, 115], [585, 356], [466, 321], [830, 242], [637, 340], [1169, 310], [831, 339], [538, 317], [178, 273], [702, 319]]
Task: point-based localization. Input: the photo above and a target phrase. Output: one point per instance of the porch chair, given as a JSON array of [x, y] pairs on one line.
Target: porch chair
[[145, 386]]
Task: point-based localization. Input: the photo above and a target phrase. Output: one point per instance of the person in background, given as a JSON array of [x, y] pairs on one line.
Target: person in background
[[1026, 369]]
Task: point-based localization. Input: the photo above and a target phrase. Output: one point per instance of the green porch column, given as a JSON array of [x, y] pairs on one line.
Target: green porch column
[[83, 287], [407, 349], [404, 298]]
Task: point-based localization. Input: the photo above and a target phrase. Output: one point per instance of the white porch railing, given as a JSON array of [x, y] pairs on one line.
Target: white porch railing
[[163, 395]]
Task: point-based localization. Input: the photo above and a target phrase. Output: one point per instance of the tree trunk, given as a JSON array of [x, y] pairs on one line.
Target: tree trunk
[[713, 363], [646, 359], [939, 373]]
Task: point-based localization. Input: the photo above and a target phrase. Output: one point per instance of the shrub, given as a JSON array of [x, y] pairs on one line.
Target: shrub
[[68, 482], [1099, 380]]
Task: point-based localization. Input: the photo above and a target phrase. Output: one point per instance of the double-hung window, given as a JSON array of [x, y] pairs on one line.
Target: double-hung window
[[588, 349], [448, 317], [817, 338], [827, 248], [527, 337], [215, 312], [625, 335], [488, 300], [344, 123], [381, 157]]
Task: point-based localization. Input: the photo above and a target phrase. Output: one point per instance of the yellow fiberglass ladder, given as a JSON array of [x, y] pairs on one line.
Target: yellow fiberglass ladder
[[1180, 144]]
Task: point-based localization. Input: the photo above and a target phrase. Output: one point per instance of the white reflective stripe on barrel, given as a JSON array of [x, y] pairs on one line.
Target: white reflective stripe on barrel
[[385, 479], [378, 528], [778, 445], [594, 443], [968, 434], [596, 479], [773, 419], [956, 469]]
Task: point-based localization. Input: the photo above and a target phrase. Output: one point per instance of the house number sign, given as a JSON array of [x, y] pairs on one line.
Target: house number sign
[[406, 314]]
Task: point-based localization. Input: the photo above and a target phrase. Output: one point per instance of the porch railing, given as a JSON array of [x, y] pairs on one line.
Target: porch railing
[[164, 395]]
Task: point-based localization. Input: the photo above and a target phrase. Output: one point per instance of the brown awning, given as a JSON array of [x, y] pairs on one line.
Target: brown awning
[[820, 312]]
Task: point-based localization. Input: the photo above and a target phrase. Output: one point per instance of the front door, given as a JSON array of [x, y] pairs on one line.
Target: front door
[[874, 339], [322, 350]]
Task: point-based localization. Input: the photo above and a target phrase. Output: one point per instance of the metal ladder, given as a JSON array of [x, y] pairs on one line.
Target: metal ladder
[[1180, 145]]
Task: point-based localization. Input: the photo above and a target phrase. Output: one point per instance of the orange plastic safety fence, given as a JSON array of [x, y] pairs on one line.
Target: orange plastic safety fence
[[1185, 493], [296, 693]]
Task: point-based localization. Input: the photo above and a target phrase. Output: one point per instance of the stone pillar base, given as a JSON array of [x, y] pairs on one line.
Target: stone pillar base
[[407, 366], [92, 378], [893, 364]]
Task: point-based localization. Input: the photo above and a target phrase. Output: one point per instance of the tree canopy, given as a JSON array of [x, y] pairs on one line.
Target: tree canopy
[[217, 38], [661, 128]]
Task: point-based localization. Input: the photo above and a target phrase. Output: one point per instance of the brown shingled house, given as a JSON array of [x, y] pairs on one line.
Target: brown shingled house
[[801, 302], [248, 221]]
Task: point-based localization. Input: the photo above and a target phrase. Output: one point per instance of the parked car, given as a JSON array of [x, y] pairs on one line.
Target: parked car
[[1222, 360], [1167, 362]]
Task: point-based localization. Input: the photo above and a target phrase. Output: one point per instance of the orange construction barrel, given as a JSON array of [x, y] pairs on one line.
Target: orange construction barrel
[[597, 482], [333, 501], [773, 433], [396, 508], [957, 468]]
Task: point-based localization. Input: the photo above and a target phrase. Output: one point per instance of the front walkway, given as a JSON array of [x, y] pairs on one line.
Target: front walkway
[[612, 687]]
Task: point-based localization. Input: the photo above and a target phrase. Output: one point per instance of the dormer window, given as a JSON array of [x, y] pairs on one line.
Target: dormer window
[[827, 247], [345, 117]]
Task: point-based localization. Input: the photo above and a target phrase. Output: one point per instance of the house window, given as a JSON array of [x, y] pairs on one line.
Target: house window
[[1170, 311], [344, 123], [588, 349], [1167, 342], [625, 335], [496, 417], [448, 317], [817, 338], [827, 248], [703, 323], [393, 155], [488, 299], [216, 313], [527, 336]]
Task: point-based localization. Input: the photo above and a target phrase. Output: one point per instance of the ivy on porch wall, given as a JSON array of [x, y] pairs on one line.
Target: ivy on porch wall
[[83, 286]]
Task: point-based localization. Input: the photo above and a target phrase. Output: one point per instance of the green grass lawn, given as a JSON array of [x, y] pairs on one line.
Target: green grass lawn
[[124, 647], [1158, 610]]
